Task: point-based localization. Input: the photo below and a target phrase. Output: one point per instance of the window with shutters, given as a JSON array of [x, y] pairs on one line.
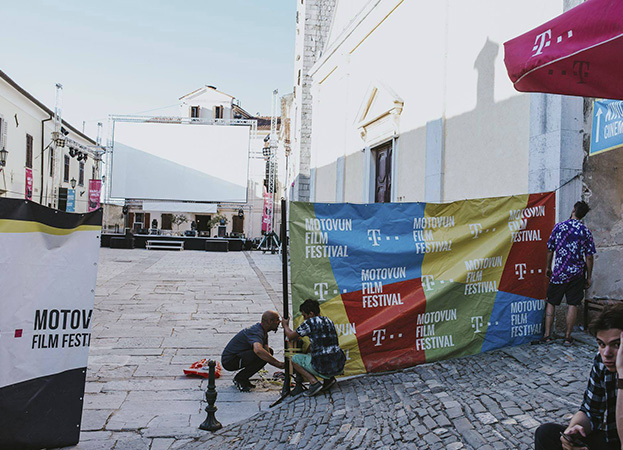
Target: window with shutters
[[66, 171], [194, 111], [218, 112], [29, 151], [81, 174]]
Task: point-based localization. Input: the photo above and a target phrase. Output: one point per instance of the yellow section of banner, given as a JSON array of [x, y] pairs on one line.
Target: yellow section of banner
[[21, 226], [467, 234], [470, 242], [346, 332]]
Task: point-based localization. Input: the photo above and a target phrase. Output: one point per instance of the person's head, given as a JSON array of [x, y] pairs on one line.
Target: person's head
[[580, 209], [270, 320], [607, 328], [310, 308]]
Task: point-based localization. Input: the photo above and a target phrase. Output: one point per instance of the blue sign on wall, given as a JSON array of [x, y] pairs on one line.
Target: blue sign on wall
[[71, 200], [607, 133]]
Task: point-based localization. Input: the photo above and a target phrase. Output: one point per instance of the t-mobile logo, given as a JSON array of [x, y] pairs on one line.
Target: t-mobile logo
[[476, 323], [542, 40], [475, 229], [428, 281], [520, 270], [375, 237], [378, 336], [320, 289]]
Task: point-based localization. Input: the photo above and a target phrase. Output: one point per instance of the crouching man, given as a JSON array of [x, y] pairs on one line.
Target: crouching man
[[599, 422], [326, 359], [248, 351]]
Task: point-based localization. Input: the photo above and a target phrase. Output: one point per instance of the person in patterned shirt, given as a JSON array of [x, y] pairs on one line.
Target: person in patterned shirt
[[326, 359], [572, 270], [599, 422]]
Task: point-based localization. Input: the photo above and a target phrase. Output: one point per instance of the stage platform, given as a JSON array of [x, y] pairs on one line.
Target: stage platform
[[214, 244]]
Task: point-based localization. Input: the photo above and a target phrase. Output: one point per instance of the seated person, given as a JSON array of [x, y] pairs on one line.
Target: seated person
[[326, 359], [597, 425], [248, 351]]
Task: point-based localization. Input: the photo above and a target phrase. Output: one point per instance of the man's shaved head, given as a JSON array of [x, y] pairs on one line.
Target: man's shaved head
[[270, 320]]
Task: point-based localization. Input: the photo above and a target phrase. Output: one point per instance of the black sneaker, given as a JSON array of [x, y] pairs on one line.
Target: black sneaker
[[313, 389], [328, 384], [243, 385]]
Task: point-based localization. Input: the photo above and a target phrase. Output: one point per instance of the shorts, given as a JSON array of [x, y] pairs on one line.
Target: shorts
[[572, 290], [304, 360]]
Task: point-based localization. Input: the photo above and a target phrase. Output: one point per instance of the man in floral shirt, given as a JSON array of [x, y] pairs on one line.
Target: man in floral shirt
[[572, 270], [326, 359]]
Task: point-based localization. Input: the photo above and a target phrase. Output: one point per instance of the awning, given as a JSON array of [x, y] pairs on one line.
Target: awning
[[578, 53], [179, 207]]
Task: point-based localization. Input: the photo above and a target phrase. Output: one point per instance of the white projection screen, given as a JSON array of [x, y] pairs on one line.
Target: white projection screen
[[180, 161]]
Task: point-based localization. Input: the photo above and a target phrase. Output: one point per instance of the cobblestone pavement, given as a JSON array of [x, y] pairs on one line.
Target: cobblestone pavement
[[489, 401], [156, 312]]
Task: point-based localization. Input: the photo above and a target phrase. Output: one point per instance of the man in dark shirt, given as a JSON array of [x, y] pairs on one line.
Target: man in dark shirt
[[599, 422], [572, 270], [326, 359], [248, 350]]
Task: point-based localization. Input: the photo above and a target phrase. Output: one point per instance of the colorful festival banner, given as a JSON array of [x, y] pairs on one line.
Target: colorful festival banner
[[28, 184], [95, 188], [409, 283], [45, 323]]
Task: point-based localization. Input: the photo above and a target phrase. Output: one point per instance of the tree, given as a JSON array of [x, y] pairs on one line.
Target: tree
[[217, 220], [178, 219]]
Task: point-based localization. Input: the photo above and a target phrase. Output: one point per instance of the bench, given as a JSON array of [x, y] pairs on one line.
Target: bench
[[164, 245], [595, 304]]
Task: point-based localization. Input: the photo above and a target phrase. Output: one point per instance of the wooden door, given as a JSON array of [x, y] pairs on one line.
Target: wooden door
[[383, 174]]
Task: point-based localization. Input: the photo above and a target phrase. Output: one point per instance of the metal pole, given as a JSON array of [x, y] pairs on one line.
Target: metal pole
[[284, 276], [211, 424]]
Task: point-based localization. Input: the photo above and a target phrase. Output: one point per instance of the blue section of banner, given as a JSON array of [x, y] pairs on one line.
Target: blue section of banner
[[373, 236], [71, 200], [607, 132], [523, 314]]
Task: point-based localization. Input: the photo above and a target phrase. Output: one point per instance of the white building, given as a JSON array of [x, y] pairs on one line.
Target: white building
[[410, 102], [39, 168], [206, 104]]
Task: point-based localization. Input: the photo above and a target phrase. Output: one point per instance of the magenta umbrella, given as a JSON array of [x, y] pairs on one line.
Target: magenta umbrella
[[578, 53]]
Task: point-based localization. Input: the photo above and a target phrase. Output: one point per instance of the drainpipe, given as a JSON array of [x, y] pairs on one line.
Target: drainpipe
[[42, 158]]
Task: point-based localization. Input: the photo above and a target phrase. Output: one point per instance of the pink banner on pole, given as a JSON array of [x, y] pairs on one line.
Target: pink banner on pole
[[577, 53], [266, 223], [95, 189], [29, 183]]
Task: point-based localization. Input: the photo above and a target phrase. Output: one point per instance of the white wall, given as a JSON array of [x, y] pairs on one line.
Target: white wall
[[444, 60]]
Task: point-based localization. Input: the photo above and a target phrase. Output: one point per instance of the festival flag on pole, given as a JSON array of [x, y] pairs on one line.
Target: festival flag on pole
[[48, 271]]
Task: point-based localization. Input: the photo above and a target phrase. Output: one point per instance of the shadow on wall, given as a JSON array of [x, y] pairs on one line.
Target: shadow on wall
[[486, 150]]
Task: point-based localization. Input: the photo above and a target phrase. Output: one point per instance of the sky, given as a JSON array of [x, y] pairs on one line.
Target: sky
[[138, 56]]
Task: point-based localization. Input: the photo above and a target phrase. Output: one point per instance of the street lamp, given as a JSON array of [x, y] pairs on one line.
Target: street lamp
[[73, 183], [3, 155]]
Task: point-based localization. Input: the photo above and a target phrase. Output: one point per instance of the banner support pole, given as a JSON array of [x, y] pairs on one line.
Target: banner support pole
[[285, 391]]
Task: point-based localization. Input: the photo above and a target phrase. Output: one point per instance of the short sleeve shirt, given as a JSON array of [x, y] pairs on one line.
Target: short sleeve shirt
[[327, 358], [244, 340], [572, 242]]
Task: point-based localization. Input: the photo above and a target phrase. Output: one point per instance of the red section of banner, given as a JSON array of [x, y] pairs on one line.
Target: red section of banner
[[95, 188], [386, 334], [29, 184], [524, 273]]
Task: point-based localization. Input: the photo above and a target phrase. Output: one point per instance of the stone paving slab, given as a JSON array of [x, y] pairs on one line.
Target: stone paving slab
[[157, 312]]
